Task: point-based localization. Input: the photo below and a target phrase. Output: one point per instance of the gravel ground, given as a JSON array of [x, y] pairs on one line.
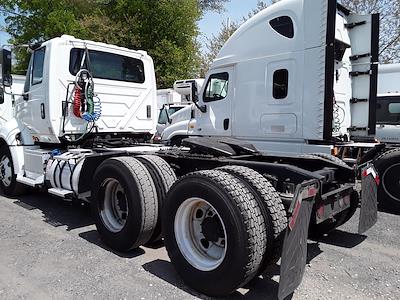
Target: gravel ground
[[50, 249]]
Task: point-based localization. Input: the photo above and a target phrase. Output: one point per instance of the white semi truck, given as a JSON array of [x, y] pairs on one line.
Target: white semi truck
[[85, 107], [263, 96]]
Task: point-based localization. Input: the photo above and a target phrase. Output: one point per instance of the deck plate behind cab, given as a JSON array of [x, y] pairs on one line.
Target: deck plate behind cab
[[220, 146]]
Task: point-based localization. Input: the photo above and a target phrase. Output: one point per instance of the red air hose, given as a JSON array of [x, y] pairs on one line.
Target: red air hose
[[77, 103]]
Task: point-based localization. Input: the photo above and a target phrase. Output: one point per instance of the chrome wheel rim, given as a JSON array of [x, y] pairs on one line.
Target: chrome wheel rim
[[5, 171], [114, 212], [391, 181], [200, 234]]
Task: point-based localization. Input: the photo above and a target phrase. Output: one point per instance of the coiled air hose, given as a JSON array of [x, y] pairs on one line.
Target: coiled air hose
[[86, 105]]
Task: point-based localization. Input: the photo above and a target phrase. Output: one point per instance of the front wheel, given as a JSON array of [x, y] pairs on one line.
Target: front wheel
[[8, 178]]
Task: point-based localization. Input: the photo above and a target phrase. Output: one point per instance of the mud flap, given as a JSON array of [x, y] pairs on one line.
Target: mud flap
[[294, 251], [369, 203]]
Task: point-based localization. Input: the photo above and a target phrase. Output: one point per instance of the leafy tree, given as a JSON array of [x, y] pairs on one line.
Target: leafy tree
[[216, 5], [166, 29]]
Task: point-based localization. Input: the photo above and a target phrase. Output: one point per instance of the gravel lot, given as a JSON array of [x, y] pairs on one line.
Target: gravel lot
[[50, 249]]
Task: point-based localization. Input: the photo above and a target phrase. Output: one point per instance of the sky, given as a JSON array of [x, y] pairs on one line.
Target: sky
[[209, 25], [234, 10]]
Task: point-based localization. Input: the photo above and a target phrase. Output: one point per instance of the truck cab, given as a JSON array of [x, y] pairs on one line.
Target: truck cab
[[47, 110], [125, 85], [300, 88]]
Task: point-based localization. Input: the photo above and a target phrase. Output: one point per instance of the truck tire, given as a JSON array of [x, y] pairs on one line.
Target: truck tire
[[329, 157], [163, 177], [388, 167], [272, 209], [214, 232], [8, 180], [124, 203]]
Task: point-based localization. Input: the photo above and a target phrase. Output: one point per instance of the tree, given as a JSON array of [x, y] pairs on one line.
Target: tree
[[216, 42], [390, 24], [216, 5], [166, 29]]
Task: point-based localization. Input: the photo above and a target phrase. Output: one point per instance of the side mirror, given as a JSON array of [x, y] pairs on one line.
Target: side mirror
[[195, 96], [5, 61]]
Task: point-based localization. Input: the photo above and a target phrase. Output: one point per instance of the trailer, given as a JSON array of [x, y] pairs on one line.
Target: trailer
[[226, 211]]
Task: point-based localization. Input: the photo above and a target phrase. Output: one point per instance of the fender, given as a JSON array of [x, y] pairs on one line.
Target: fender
[[180, 124], [178, 129], [8, 133]]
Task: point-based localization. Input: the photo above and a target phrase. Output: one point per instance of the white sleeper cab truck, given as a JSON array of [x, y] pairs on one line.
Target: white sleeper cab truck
[[75, 131], [298, 90]]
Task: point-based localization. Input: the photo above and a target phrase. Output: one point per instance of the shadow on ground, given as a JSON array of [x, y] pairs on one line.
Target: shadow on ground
[[390, 211], [56, 211], [342, 239], [263, 287], [93, 237]]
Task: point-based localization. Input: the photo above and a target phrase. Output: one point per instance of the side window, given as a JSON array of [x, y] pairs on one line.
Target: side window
[[217, 87], [283, 26], [163, 117], [38, 62], [394, 108], [388, 110], [280, 84]]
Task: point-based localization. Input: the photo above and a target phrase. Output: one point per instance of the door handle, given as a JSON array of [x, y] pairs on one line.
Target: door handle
[[226, 124]]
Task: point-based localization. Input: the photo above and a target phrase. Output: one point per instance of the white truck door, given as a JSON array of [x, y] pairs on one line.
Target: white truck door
[[217, 98], [364, 38], [32, 111], [5, 100]]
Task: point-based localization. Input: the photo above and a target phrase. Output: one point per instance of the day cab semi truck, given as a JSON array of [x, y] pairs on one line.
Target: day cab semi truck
[[78, 127]]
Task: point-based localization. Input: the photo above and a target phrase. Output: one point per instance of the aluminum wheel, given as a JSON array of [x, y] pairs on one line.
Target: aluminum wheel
[[200, 234], [114, 210], [5, 171], [391, 181]]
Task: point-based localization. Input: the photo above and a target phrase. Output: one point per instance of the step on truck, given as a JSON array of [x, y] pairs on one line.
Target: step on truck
[[225, 211]]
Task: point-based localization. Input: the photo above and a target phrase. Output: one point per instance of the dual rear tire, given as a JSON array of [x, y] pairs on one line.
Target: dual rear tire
[[218, 231], [221, 227], [128, 194]]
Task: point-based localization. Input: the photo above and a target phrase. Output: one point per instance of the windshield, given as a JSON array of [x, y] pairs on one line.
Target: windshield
[[163, 117]]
